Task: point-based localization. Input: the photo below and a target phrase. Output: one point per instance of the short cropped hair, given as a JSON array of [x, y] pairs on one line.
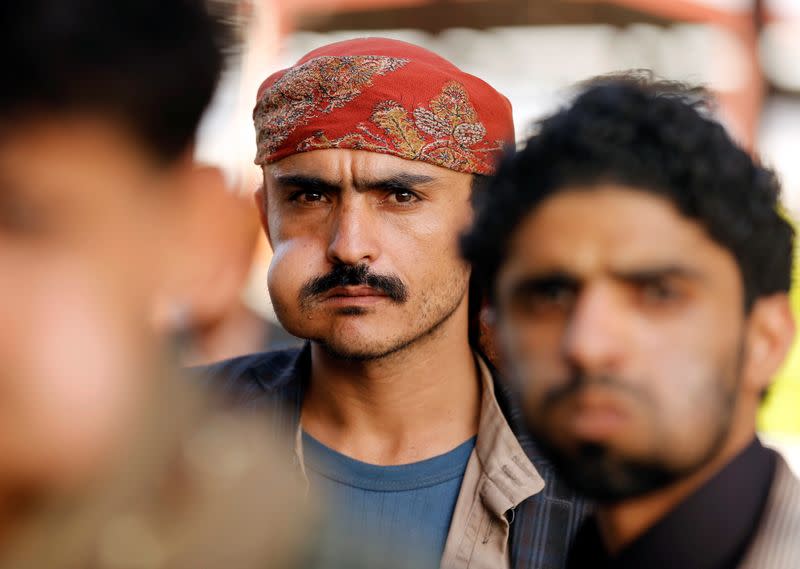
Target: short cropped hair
[[650, 136], [151, 65]]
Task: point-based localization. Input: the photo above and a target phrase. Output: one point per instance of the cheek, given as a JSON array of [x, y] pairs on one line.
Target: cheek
[[694, 392], [533, 357], [299, 251], [286, 223], [293, 263], [690, 380], [535, 344], [429, 274], [425, 251], [69, 382], [696, 355]]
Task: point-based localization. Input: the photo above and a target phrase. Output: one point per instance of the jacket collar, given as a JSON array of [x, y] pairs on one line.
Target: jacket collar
[[510, 476]]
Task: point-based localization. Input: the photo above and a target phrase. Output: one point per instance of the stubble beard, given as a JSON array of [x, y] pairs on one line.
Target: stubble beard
[[342, 351]]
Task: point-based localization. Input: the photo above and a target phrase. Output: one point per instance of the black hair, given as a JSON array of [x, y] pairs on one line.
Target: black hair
[[151, 65], [476, 296], [651, 136]]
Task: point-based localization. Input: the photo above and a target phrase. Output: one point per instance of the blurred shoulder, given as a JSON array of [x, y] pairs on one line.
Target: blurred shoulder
[[198, 484]]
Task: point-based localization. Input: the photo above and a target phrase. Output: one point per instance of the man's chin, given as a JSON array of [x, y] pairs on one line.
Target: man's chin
[[593, 471], [341, 325], [356, 341], [355, 351], [613, 481]]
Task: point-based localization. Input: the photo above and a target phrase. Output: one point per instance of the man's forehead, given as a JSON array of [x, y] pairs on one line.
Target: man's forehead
[[611, 229], [586, 265], [338, 166]]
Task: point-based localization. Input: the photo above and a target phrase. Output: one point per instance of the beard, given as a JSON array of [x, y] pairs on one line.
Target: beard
[[596, 473], [603, 475]]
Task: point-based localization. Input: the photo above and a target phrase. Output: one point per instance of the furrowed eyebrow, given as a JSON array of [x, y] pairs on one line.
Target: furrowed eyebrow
[[395, 183], [313, 183], [537, 283], [301, 182], [651, 274]]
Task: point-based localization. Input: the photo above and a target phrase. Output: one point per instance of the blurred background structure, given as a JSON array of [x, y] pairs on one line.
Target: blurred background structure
[[534, 51]]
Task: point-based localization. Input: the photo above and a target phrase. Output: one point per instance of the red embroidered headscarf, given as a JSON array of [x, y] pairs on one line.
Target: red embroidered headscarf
[[383, 96]]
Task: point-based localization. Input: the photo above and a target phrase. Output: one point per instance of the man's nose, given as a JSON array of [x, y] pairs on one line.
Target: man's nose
[[354, 238], [595, 339]]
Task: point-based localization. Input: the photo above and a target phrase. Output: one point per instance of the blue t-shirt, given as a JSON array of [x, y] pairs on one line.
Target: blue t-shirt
[[404, 509]]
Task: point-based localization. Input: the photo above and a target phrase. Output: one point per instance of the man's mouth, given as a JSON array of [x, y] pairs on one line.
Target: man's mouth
[[596, 414], [356, 294]]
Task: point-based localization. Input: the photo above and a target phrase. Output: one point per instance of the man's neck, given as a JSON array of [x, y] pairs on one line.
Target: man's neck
[[417, 403]]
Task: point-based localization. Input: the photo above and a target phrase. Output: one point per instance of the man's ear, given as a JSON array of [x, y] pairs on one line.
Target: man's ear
[[260, 198], [191, 184], [770, 334]]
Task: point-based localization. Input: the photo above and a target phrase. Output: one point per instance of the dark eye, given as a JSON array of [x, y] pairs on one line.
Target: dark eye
[[545, 298], [658, 293], [307, 197], [18, 217], [403, 196], [555, 295]]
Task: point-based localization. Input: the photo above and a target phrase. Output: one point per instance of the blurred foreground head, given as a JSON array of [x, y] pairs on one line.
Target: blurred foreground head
[[639, 267], [96, 129], [107, 459]]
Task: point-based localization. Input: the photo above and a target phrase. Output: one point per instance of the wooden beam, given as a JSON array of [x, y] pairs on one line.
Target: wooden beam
[[439, 15]]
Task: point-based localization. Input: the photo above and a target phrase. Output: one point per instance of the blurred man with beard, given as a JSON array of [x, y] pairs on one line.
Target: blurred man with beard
[[370, 149], [638, 268], [106, 458]]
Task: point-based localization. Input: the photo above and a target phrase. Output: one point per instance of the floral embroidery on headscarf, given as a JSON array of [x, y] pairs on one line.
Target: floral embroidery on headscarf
[[447, 133], [317, 87]]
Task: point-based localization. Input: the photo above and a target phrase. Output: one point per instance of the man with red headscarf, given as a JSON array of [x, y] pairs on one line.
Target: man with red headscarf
[[370, 150]]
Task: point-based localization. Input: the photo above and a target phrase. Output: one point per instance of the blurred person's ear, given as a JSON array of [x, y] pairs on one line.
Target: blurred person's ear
[[770, 333], [215, 231], [260, 198]]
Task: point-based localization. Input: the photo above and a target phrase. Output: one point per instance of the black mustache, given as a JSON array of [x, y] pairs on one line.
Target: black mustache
[[578, 381], [355, 275]]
